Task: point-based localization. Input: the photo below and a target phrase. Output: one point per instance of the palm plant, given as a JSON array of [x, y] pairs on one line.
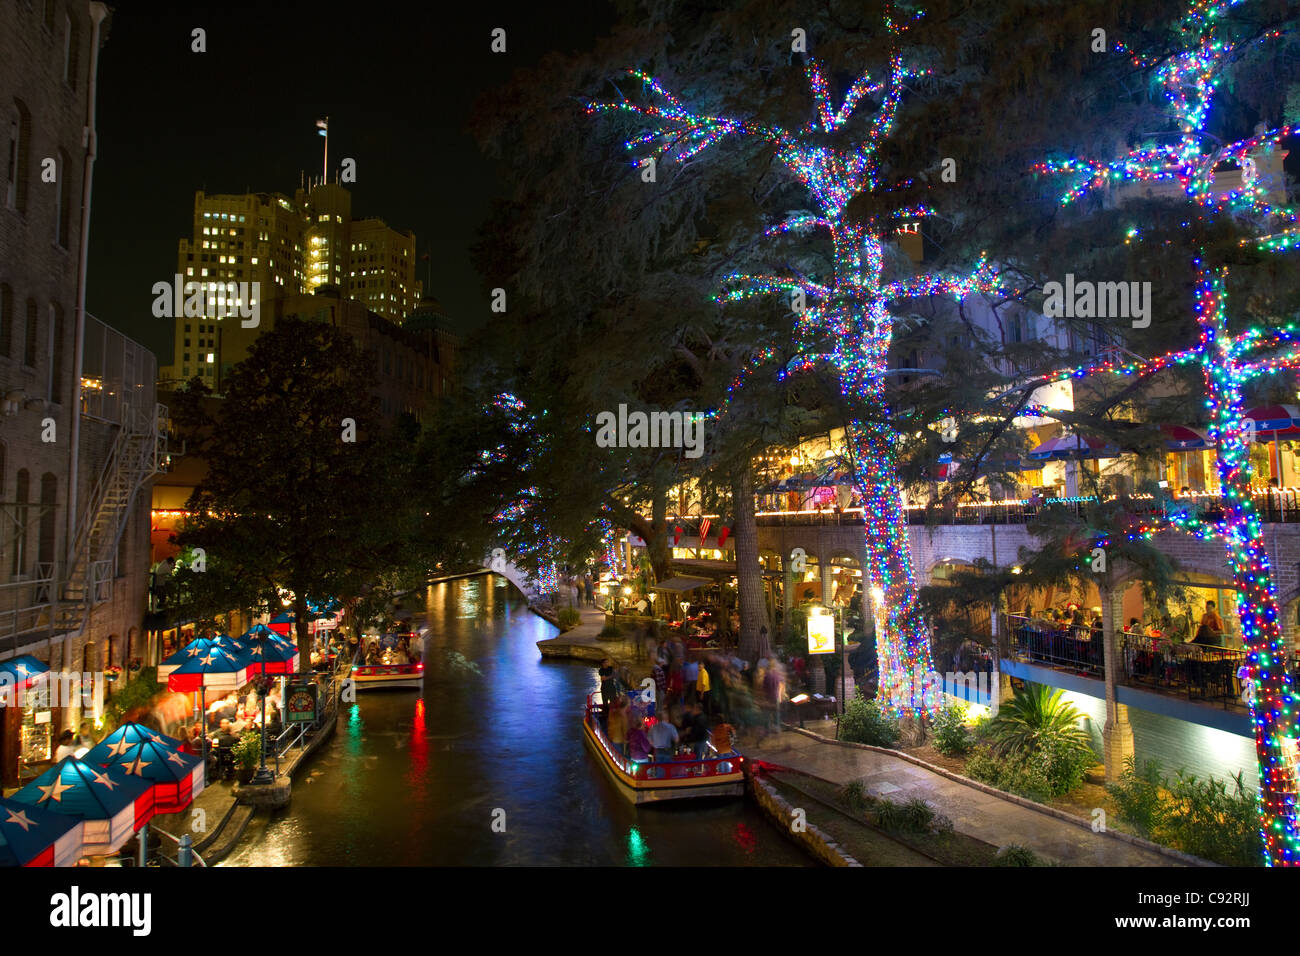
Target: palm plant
[[1035, 717]]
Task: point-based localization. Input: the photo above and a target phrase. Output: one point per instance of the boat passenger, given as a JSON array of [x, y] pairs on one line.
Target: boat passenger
[[639, 747], [695, 730], [617, 726], [724, 737], [663, 735]]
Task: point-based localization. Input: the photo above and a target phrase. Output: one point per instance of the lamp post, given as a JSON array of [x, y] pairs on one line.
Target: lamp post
[[264, 774]]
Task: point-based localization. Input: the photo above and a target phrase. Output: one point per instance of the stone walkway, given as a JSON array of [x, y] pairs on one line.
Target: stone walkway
[[982, 815]]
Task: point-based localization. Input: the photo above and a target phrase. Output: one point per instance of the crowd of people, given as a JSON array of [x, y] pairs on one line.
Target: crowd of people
[[698, 701], [1086, 625]]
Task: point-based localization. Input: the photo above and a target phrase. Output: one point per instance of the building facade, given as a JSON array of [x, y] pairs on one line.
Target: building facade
[[247, 251], [78, 444]]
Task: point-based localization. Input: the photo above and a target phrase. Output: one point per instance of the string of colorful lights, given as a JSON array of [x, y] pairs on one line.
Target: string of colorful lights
[[1189, 80], [850, 313]]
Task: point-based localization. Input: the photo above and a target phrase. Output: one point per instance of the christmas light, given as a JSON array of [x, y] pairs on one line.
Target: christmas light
[[1228, 363], [850, 313]]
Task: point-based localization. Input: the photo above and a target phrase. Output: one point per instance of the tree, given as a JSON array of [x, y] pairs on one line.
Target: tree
[[306, 491], [1222, 229], [844, 321]]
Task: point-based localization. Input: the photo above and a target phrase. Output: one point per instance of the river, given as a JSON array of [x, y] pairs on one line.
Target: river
[[486, 766]]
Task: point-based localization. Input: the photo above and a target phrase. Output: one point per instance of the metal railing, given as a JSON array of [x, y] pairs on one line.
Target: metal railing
[[1279, 506], [1197, 672]]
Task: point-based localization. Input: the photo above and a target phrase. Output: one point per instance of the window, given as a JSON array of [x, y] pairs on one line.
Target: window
[[20, 137], [63, 212], [48, 525], [21, 492], [71, 47], [29, 342], [56, 353], [6, 320]]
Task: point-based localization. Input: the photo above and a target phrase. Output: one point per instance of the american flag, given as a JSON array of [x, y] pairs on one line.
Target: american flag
[[704, 530]]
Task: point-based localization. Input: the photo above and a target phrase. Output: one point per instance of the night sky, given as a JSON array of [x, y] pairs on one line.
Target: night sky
[[398, 82]]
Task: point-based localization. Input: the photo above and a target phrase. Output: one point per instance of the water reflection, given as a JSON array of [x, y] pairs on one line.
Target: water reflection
[[419, 777]]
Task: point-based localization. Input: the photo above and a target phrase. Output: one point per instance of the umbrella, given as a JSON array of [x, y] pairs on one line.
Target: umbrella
[[218, 667], [1186, 438], [111, 803], [130, 734], [194, 649], [279, 656], [1073, 447], [19, 673], [177, 777], [1274, 421], [37, 837]]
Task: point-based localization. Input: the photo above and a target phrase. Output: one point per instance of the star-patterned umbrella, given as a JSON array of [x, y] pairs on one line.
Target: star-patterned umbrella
[[34, 837], [194, 649], [217, 666], [279, 655], [112, 803], [112, 747], [177, 777]]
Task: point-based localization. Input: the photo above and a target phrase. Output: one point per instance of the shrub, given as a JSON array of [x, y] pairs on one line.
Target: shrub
[[1048, 772], [1034, 716], [134, 699], [912, 816], [569, 618], [1201, 817], [855, 796], [862, 722], [951, 737], [1060, 765], [1014, 854], [1137, 795]]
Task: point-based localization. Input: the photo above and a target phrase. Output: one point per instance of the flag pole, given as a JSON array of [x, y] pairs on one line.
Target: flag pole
[[325, 170]]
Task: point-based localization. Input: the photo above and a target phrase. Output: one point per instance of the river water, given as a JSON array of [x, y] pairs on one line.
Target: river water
[[494, 740]]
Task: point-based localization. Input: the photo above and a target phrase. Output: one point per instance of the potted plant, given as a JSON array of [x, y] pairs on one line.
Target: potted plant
[[247, 754], [112, 672]]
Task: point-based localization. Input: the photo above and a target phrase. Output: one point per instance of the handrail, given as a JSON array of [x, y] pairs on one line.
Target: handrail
[[173, 860]]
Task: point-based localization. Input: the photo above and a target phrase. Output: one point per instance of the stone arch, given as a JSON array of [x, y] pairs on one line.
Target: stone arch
[[515, 575]]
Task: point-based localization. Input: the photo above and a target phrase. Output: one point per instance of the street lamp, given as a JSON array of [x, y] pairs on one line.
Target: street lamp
[[264, 774]]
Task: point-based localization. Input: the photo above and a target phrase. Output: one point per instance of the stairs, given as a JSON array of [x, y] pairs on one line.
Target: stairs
[[139, 452]]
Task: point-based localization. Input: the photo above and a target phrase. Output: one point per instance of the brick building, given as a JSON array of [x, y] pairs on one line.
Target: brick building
[[76, 452]]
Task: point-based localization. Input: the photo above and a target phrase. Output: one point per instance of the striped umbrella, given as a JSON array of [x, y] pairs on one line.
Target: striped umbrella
[[218, 667], [195, 648], [177, 777], [111, 803], [1274, 421], [282, 623], [129, 735], [279, 655], [37, 837], [1073, 448], [1186, 438], [17, 674]]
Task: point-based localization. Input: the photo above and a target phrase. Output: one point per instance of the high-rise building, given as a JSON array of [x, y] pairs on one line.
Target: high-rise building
[[280, 247]]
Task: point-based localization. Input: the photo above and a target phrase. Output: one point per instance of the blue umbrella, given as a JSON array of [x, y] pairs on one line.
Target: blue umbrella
[[129, 735], [111, 803], [34, 837]]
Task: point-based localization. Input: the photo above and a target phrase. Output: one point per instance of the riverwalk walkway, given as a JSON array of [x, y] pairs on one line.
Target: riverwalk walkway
[[976, 810], [973, 809]]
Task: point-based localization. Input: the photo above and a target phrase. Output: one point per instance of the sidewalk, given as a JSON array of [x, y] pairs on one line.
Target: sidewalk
[[581, 643], [987, 817]]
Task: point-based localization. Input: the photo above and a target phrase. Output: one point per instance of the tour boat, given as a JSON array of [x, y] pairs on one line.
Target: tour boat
[[383, 676], [653, 781]]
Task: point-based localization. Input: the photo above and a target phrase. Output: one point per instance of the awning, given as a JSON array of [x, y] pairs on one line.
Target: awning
[[680, 584], [719, 569], [1186, 438], [1073, 447]]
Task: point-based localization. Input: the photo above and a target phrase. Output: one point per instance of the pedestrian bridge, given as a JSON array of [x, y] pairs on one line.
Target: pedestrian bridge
[[499, 563]]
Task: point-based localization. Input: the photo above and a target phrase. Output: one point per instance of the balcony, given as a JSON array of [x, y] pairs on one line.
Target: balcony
[[1204, 675], [1275, 507]]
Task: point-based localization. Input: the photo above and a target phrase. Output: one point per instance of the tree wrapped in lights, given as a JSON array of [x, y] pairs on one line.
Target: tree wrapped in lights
[[843, 324], [1229, 363]]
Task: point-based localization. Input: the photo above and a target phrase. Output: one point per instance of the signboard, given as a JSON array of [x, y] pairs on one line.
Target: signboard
[[301, 702], [821, 634]]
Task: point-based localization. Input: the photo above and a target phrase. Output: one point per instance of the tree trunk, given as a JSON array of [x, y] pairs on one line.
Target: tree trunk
[[1273, 706], [749, 574], [1117, 732]]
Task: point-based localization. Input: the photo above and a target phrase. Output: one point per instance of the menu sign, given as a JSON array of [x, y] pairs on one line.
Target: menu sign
[[301, 702]]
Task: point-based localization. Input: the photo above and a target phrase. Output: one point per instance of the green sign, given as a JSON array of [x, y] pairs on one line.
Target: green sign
[[301, 702]]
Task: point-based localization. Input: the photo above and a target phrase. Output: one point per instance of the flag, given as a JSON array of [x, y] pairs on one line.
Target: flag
[[324, 126], [677, 534], [704, 530], [722, 536]]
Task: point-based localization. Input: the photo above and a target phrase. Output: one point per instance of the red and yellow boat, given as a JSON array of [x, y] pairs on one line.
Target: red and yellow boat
[[651, 781], [389, 671]]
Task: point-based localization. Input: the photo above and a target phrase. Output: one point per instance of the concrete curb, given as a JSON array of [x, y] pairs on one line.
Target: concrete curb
[[1129, 838], [778, 810]]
